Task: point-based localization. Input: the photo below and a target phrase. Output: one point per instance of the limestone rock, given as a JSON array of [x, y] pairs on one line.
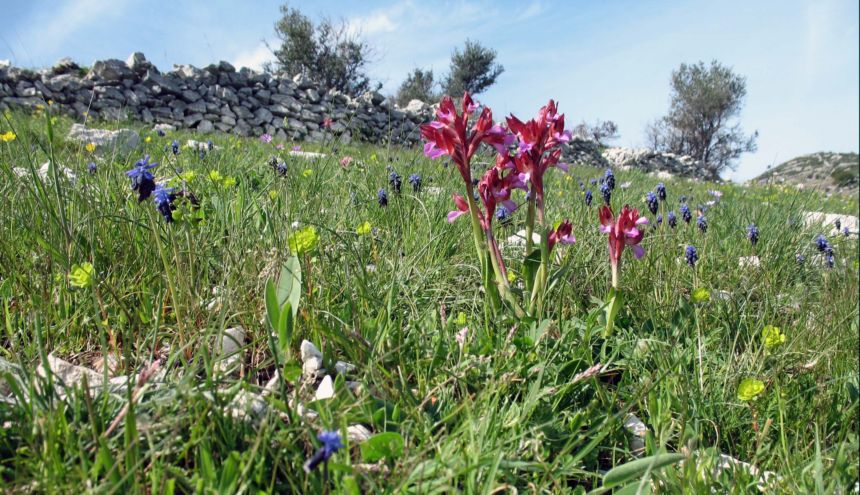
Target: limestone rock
[[121, 140]]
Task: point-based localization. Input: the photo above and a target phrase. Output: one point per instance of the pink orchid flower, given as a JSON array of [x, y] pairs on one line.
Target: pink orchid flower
[[623, 231]]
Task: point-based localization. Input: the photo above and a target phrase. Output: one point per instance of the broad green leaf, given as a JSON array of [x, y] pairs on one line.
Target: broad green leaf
[[635, 469], [387, 445], [613, 300], [531, 263], [285, 327], [290, 284], [273, 309]]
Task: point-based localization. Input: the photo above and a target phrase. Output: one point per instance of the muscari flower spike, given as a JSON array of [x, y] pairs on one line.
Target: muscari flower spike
[[659, 219], [821, 243], [828, 256], [415, 180], [661, 191], [395, 181], [163, 199], [672, 219], [210, 145], [175, 146], [800, 259], [752, 234], [142, 179], [609, 179], [651, 199], [382, 197], [503, 214], [593, 182], [588, 197], [846, 232], [160, 133], [685, 213], [702, 223], [692, 256], [838, 224], [607, 193], [92, 168], [331, 443]]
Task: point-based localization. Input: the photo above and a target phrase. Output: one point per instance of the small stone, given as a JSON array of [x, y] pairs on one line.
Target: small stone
[[122, 140], [309, 350], [325, 389], [358, 433], [312, 367], [343, 368]]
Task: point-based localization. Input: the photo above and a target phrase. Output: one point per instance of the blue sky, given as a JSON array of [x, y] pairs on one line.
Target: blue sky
[[601, 60]]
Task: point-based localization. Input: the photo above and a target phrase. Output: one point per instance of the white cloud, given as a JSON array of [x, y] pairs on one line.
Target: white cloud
[[55, 27], [373, 24], [253, 58], [534, 9]]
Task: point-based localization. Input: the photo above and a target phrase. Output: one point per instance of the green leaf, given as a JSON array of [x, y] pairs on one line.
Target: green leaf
[[292, 372], [613, 304], [290, 284], [635, 469], [531, 263], [229, 474], [273, 309], [285, 327], [387, 445]]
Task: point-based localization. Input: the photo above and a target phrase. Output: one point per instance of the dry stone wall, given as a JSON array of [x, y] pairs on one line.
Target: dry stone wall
[[217, 97]]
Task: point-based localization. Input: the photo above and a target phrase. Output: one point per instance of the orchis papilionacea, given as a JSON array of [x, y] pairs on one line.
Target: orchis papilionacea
[[623, 231]]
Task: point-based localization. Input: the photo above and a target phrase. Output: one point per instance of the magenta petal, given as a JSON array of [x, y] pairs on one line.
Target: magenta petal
[[605, 229], [431, 151], [563, 166], [509, 205], [638, 251], [642, 221], [568, 239], [562, 137], [631, 232], [436, 124], [453, 215]]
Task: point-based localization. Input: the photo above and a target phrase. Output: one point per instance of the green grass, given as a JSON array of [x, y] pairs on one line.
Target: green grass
[[501, 415]]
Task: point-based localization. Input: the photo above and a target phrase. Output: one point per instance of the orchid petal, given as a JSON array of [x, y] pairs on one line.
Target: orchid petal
[[638, 251], [642, 221], [568, 239], [632, 232], [509, 205], [453, 215], [563, 166]]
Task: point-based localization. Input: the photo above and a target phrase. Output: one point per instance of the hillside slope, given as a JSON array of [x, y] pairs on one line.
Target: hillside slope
[[830, 172]]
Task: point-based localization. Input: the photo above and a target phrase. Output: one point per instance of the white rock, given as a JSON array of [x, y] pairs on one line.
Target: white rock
[[358, 433], [343, 368], [312, 367], [519, 239], [325, 389], [828, 220], [44, 173], [120, 140], [433, 190], [749, 262], [163, 128], [232, 342], [306, 154], [247, 405], [415, 106], [309, 350], [638, 431]]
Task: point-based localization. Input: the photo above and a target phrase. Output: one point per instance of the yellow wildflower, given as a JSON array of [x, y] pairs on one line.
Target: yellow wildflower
[[701, 295], [8, 136], [772, 336], [147, 139], [307, 173], [303, 241], [363, 229], [91, 147], [215, 176], [81, 275], [228, 181], [749, 389]]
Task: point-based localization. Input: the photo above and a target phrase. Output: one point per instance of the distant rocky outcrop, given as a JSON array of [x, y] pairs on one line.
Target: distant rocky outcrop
[[216, 97], [826, 171], [589, 152]]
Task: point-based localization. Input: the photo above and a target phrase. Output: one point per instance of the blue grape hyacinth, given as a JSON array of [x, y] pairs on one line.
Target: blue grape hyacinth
[[588, 197], [415, 180], [607, 193], [691, 255], [752, 234], [651, 199], [382, 197], [331, 443], [661, 191]]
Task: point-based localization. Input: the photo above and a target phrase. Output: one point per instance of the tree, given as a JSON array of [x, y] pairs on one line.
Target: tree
[[705, 101], [328, 54], [417, 86], [473, 69], [602, 131]]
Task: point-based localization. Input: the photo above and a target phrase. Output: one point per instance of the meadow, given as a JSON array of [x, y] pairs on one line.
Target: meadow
[[456, 392]]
